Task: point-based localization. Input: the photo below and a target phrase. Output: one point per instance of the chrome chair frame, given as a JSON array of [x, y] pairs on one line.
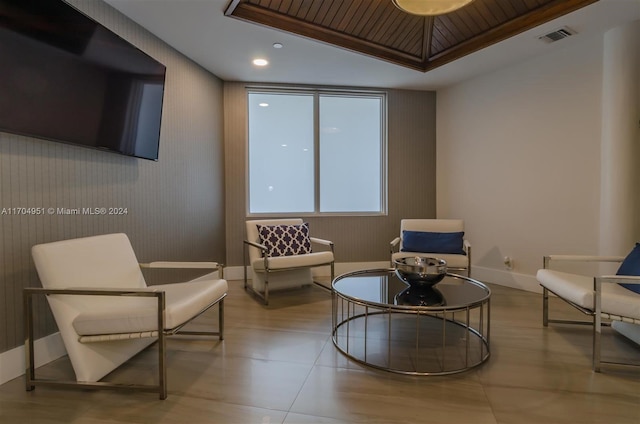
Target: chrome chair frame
[[596, 313], [161, 333], [265, 297]]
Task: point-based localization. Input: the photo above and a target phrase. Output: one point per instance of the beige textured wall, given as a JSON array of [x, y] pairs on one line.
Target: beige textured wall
[[175, 205], [519, 160], [411, 178]]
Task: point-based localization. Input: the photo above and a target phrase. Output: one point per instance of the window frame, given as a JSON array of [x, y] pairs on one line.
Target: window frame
[[317, 92]]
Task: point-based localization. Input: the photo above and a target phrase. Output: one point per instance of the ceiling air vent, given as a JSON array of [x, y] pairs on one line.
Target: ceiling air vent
[[556, 35]]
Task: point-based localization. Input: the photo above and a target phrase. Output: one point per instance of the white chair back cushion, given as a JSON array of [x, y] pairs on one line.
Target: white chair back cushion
[[98, 261]]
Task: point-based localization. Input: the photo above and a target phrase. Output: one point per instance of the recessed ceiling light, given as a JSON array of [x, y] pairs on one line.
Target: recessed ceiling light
[[278, 45], [263, 104], [260, 62]]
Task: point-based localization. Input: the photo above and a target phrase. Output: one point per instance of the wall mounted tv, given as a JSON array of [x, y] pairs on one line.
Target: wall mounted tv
[[65, 77]]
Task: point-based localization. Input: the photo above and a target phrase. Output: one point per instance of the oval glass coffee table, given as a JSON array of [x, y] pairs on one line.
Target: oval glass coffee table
[[374, 323]]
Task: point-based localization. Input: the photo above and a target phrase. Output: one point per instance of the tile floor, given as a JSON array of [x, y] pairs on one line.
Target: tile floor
[[277, 364]]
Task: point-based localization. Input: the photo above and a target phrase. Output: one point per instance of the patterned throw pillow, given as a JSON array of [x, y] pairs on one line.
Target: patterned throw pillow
[[285, 240]]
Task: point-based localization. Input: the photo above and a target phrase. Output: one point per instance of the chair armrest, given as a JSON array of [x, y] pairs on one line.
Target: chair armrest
[[322, 241], [141, 292], [258, 245], [624, 279], [466, 245], [168, 264], [585, 258], [185, 265], [580, 258], [394, 243]]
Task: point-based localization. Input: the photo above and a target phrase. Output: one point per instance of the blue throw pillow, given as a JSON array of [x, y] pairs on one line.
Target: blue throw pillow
[[631, 266], [430, 242]]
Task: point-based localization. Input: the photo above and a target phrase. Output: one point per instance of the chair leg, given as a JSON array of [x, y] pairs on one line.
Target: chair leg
[[245, 277], [244, 262], [162, 366], [162, 348], [597, 343], [30, 373], [597, 323], [221, 319], [545, 307]]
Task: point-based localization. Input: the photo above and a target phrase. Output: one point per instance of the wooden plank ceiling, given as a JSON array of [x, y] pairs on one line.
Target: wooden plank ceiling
[[379, 29]]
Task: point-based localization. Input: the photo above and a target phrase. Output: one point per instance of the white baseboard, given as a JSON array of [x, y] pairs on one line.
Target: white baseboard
[[47, 349]]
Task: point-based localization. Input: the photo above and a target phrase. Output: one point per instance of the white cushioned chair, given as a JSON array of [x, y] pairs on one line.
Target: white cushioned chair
[[439, 238], [105, 311], [599, 297], [272, 269]]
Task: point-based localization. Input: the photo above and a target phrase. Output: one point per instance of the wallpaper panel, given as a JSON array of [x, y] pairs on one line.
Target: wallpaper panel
[[174, 206]]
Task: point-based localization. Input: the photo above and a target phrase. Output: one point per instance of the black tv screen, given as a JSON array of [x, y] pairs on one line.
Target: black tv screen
[[65, 77]]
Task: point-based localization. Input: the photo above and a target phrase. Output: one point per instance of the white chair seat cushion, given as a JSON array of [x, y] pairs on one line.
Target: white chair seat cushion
[[296, 261], [135, 314], [453, 261], [578, 289]]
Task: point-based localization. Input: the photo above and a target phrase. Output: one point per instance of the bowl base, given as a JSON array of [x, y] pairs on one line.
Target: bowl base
[[420, 296]]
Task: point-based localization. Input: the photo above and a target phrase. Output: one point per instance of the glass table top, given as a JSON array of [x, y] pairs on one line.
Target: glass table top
[[382, 287]]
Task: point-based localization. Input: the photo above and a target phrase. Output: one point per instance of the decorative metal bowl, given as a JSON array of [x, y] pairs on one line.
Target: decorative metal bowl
[[421, 274], [420, 271]]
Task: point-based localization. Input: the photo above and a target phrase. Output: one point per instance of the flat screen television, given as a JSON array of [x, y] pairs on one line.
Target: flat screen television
[[65, 77]]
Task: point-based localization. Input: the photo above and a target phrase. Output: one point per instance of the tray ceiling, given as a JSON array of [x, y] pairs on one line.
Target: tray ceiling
[[377, 28]]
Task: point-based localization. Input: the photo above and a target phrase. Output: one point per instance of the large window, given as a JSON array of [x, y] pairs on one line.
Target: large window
[[317, 152]]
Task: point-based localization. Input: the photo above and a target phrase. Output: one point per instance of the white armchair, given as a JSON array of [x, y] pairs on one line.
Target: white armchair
[[276, 265], [105, 311], [440, 238], [599, 297]]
